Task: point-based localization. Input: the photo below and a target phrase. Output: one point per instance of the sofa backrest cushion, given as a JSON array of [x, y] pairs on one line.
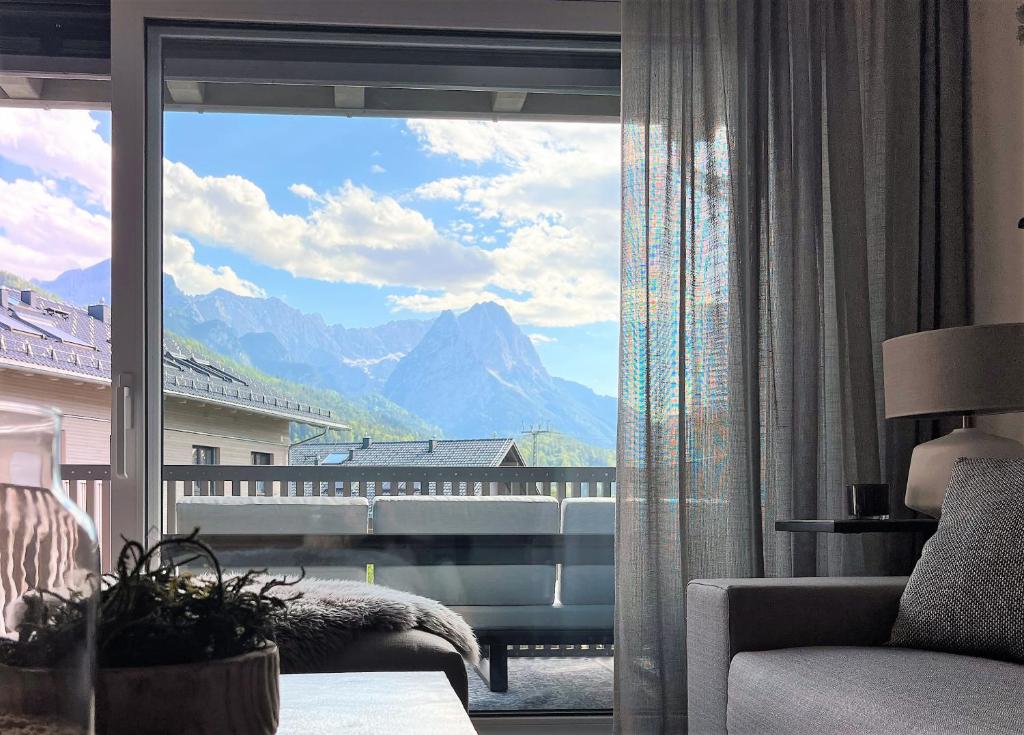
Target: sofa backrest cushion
[[505, 584], [272, 515], [582, 583], [214, 514]]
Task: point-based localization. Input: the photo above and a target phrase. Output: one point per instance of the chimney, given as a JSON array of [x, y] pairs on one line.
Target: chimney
[[3, 298], [351, 454], [367, 441], [100, 312], [431, 445], [27, 297]]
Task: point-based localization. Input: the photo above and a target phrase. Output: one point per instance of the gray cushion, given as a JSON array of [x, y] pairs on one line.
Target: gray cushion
[[509, 584], [727, 616], [265, 515], [216, 514], [836, 689], [966, 594], [535, 617], [581, 583]]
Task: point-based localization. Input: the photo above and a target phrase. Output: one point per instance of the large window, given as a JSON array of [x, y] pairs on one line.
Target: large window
[[55, 315], [392, 289]]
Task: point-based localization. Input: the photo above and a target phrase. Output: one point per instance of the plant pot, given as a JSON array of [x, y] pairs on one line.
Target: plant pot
[[231, 696], [38, 701]]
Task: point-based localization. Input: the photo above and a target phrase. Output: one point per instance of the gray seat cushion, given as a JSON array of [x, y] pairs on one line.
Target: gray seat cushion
[[537, 617], [833, 689]]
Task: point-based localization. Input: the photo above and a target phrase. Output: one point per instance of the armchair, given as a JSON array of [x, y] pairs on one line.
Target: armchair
[[805, 655]]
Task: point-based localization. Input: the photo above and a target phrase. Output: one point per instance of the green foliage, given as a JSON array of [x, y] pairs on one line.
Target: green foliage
[[368, 415], [151, 615], [13, 281], [560, 450]]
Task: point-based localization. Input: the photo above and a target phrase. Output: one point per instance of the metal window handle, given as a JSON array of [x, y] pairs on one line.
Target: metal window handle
[[124, 397]]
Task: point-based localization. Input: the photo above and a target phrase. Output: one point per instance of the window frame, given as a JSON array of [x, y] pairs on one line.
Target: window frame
[[138, 28], [201, 450]]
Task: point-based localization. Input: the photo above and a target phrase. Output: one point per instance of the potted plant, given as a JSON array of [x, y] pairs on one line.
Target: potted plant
[[177, 653]]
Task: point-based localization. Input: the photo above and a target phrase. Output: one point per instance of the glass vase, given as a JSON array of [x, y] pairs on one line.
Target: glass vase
[[49, 583]]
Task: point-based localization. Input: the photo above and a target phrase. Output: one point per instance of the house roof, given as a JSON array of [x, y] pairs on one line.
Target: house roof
[[445, 453], [41, 335]]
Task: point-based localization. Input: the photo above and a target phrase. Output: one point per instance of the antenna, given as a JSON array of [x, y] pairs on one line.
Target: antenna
[[533, 432]]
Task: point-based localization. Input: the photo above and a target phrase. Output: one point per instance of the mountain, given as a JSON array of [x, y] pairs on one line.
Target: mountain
[[280, 340], [14, 281], [477, 373], [367, 415], [472, 375], [267, 333], [82, 286]]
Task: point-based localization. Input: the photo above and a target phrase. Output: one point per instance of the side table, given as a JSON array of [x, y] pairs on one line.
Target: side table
[[372, 703], [858, 525]]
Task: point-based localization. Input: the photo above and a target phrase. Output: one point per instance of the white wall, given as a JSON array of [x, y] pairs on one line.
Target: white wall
[[997, 118]]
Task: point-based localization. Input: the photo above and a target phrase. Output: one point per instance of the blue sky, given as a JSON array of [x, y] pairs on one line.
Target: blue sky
[[363, 220]]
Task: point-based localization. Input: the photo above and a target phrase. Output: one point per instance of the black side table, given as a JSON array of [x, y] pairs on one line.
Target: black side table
[[859, 525]]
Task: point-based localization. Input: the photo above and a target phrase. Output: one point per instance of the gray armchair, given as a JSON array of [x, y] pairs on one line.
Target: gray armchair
[[805, 656]]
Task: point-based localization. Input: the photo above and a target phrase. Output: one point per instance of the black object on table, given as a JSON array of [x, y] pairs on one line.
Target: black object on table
[[858, 525]]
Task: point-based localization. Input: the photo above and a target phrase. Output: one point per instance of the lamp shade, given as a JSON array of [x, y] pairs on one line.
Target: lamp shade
[[962, 371]]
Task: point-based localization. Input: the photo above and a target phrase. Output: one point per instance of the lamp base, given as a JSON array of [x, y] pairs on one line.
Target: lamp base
[[932, 464]]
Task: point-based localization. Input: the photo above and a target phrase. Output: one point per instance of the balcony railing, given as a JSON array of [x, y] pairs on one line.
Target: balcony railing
[[89, 485], [370, 481]]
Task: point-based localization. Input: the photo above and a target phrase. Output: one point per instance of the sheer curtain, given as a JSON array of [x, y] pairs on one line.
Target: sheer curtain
[[794, 192]]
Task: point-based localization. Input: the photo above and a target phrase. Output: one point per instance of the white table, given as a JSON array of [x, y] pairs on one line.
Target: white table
[[372, 703]]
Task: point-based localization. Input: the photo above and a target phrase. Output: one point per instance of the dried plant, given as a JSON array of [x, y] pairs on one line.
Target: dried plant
[[151, 614]]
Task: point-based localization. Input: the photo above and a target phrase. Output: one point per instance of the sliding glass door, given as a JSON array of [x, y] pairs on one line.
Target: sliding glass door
[[381, 293]]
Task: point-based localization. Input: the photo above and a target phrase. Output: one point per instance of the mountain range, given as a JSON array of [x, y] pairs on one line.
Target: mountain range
[[473, 374]]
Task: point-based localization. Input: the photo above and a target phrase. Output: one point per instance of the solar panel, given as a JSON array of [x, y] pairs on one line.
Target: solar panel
[[17, 325], [52, 330]]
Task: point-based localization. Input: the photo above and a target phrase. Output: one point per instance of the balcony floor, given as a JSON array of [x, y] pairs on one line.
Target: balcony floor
[[548, 683]]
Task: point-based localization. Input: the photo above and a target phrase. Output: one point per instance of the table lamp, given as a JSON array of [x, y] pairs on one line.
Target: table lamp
[[962, 371]]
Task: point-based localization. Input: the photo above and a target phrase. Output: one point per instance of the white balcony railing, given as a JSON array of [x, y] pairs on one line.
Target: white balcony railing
[[89, 485]]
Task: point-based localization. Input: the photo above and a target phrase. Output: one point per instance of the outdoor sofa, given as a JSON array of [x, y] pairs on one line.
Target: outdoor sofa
[[505, 604]]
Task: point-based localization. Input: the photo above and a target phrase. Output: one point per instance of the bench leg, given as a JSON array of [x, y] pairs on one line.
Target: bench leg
[[493, 670]]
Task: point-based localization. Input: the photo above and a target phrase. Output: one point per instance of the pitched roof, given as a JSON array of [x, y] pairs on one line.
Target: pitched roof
[[46, 336], [446, 453]]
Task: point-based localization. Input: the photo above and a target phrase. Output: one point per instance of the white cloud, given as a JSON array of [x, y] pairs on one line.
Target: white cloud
[[44, 233], [351, 234], [196, 278], [378, 169], [63, 144], [304, 191], [554, 201], [557, 201], [541, 339]]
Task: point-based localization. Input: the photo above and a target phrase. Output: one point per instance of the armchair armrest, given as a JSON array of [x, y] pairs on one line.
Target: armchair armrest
[[727, 616]]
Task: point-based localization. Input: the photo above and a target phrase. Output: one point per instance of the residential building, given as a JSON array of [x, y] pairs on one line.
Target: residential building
[[497, 452], [58, 354]]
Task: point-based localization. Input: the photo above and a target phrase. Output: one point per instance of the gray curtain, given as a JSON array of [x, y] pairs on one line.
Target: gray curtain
[[793, 192]]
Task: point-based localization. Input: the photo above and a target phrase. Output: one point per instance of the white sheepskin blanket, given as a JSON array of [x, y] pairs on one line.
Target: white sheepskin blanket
[[332, 612]]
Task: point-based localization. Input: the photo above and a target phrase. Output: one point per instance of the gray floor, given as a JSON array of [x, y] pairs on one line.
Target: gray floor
[[548, 683]]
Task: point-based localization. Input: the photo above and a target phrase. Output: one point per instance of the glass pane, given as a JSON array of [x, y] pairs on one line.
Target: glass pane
[[55, 311], [409, 323]]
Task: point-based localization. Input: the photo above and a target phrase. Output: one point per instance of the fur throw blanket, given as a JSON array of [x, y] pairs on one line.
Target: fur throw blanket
[[332, 612]]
